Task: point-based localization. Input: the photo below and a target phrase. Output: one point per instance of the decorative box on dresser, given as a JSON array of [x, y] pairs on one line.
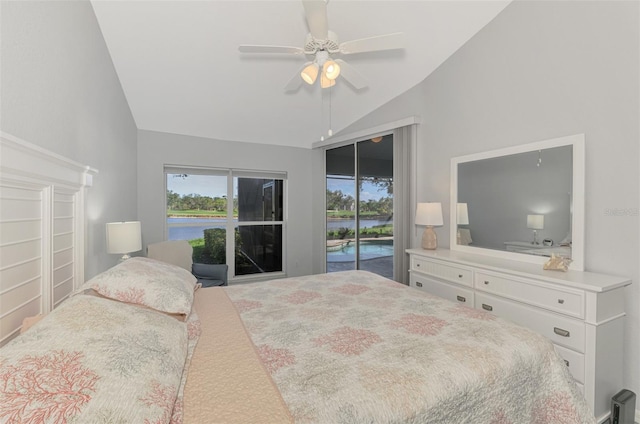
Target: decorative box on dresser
[[582, 313]]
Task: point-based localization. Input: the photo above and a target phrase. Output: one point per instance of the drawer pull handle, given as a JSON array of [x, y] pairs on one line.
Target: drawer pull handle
[[461, 299], [487, 307], [561, 301], [418, 283], [417, 265], [566, 362], [486, 282], [459, 275], [561, 332]]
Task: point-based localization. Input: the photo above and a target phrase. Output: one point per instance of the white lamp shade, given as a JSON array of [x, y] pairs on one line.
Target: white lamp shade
[[310, 73], [462, 214], [535, 222], [123, 237], [331, 69], [429, 214], [326, 82]]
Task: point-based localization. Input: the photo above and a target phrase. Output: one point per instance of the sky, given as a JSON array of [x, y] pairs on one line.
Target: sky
[[205, 185], [369, 191]]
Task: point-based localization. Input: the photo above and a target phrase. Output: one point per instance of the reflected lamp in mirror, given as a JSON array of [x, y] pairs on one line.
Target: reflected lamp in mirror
[[462, 214], [463, 236], [430, 215], [535, 223], [124, 238]]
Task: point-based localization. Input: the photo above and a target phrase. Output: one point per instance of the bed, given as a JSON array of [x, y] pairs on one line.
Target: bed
[[140, 343]]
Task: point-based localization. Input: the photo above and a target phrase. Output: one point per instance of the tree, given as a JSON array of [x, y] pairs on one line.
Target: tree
[[337, 200], [173, 200]]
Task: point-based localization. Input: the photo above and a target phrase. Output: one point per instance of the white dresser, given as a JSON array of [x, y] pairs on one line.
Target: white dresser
[[582, 313]]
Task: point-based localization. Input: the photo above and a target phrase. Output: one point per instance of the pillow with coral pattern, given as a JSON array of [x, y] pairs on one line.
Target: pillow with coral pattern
[[157, 285]]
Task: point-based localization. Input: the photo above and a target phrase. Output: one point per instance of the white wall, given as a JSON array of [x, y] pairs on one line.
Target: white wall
[[542, 70], [155, 149], [59, 90]]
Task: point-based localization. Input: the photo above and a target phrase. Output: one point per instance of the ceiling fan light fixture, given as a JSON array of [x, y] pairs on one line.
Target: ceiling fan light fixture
[[310, 73], [331, 69], [326, 82]]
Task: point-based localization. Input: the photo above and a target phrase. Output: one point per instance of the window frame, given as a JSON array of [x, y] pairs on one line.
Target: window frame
[[230, 226]]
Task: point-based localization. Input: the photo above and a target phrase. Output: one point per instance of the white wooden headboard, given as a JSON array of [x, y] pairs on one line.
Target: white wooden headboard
[[42, 230]]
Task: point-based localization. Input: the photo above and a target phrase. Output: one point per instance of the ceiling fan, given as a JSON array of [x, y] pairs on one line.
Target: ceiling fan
[[321, 44]]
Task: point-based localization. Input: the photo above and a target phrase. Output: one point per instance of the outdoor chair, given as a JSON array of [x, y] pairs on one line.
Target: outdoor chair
[[180, 253]]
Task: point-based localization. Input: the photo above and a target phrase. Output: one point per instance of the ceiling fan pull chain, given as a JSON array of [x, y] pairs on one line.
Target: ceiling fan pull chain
[[321, 113], [330, 132]]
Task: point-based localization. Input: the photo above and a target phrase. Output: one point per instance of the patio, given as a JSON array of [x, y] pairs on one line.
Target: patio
[[382, 266]]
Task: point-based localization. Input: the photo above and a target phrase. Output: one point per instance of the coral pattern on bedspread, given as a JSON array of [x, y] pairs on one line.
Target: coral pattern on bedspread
[[353, 347], [94, 360]]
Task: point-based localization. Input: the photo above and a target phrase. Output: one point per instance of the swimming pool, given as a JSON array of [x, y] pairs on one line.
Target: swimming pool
[[368, 250]]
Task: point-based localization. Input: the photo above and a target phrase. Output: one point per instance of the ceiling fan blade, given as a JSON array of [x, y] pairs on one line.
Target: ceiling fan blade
[[372, 44], [316, 12], [248, 48], [295, 82], [350, 75]]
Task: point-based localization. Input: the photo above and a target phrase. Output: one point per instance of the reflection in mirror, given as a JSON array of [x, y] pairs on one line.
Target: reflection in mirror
[[519, 200]]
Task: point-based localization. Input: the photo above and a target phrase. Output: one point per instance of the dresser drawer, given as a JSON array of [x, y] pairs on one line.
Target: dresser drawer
[[574, 360], [563, 331], [444, 290], [540, 294], [442, 270]]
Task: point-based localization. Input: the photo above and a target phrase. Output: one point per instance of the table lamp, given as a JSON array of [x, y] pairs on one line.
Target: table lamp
[[124, 238], [535, 222], [429, 214]]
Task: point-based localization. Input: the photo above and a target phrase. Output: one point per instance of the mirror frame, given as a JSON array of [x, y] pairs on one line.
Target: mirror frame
[[578, 199]]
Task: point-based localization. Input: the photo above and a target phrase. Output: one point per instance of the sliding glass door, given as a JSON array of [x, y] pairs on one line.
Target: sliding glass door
[[341, 208], [359, 180]]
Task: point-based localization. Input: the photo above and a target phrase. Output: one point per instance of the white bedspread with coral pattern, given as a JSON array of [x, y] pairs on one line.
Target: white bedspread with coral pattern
[[353, 347], [95, 360]]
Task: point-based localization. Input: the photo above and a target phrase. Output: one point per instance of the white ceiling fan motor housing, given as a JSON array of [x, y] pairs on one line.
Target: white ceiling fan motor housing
[[313, 45]]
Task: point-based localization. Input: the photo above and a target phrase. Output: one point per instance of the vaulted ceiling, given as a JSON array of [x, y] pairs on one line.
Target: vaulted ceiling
[[181, 71]]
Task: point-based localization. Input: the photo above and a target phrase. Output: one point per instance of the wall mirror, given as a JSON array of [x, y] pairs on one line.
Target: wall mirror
[[523, 202]]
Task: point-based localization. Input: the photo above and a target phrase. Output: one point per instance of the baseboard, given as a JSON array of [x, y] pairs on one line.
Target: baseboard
[[608, 421]]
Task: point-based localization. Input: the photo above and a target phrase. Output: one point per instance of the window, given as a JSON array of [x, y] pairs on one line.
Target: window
[[249, 229]]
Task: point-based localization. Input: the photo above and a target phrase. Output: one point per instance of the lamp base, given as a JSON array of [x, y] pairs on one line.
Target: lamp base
[[429, 238], [535, 237]]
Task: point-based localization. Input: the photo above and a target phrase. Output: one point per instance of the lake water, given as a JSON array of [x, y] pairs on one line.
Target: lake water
[[198, 225], [194, 231]]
